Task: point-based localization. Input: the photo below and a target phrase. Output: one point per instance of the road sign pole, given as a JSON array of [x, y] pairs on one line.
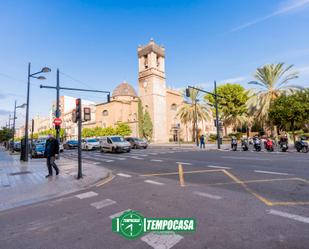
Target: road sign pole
[[79, 124], [217, 116], [57, 110]]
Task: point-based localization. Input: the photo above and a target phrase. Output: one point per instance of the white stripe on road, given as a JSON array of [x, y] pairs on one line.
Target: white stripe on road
[[154, 182], [156, 160], [137, 158], [271, 172], [123, 175], [138, 154], [102, 204], [86, 195], [109, 157], [119, 213], [152, 153], [246, 158], [159, 241], [289, 216], [216, 197], [218, 167], [184, 163]]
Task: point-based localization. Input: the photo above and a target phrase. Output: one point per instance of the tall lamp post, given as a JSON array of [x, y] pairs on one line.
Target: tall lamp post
[[31, 75], [14, 118]]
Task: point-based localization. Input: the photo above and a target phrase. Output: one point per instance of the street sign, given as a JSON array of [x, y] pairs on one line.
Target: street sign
[[57, 121]]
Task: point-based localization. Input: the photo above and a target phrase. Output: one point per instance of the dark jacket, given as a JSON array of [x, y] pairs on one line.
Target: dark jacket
[[51, 147]]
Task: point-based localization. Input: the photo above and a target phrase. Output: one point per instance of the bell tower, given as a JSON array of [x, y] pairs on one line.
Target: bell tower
[[152, 87]]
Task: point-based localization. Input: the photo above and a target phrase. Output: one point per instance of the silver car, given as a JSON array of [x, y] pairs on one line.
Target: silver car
[[114, 144], [90, 144]]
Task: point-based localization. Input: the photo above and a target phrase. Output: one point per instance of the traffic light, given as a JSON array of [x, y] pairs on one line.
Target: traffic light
[[87, 114], [188, 92], [108, 98], [74, 120], [78, 109], [57, 127]]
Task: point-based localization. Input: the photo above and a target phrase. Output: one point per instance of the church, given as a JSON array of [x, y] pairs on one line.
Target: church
[[161, 102]]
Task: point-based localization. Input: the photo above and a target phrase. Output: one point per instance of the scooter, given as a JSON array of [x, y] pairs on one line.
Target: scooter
[[301, 146], [269, 145], [234, 144], [284, 146], [244, 144], [257, 144]]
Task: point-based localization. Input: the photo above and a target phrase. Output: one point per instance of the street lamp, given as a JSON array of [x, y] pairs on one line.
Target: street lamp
[[14, 118], [31, 75]]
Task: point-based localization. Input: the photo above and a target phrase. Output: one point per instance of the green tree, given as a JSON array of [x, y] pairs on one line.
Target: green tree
[[288, 110], [147, 126], [5, 134], [192, 109], [140, 118], [88, 132], [272, 80], [232, 106], [123, 129]]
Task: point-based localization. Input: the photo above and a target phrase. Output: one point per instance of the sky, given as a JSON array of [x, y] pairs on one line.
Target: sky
[[94, 44]]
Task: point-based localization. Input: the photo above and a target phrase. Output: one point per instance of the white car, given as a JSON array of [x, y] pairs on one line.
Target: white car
[[114, 144], [90, 144]]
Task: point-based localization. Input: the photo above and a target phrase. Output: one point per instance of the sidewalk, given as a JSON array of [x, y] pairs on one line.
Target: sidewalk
[[23, 183]]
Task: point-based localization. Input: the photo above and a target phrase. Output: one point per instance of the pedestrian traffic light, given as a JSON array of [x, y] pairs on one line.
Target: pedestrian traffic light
[[108, 98], [87, 114], [188, 92], [78, 109], [74, 116]]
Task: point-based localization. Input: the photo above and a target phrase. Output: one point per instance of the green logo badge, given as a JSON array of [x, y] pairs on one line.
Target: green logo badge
[[132, 225]]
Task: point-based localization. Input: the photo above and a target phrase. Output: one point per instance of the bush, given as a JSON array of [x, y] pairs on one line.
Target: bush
[[238, 135]]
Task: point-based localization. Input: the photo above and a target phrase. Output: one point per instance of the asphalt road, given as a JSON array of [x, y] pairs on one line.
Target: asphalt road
[[240, 200]]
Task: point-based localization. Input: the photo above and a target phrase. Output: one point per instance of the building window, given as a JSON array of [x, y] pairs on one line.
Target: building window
[[174, 107], [105, 113]]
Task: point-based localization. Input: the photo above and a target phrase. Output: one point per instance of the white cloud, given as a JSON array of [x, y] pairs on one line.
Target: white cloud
[[286, 7], [303, 70], [234, 80]]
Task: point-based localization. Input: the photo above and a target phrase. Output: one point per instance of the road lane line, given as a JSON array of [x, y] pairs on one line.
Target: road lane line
[[137, 158], [218, 167], [289, 216], [159, 241], [271, 172], [184, 163], [216, 197], [246, 158], [119, 214], [103, 203], [124, 175], [156, 160], [152, 153], [154, 182], [86, 195]]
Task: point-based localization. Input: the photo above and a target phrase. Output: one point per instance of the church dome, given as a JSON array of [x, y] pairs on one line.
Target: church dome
[[124, 89]]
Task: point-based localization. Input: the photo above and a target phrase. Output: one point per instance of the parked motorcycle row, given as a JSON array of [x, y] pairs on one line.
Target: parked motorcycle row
[[256, 143]]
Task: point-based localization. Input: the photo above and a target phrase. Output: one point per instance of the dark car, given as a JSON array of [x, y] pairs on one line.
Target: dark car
[[137, 143], [17, 146], [70, 144], [38, 150]]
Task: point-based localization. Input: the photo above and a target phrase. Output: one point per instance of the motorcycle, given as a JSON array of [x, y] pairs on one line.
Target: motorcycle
[[257, 144], [284, 146], [234, 144], [301, 146], [269, 145], [244, 144]]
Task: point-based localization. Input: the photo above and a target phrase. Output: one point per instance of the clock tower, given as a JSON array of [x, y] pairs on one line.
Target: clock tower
[[152, 87]]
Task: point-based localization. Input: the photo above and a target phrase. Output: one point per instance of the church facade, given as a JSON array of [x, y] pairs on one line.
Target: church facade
[[161, 102]]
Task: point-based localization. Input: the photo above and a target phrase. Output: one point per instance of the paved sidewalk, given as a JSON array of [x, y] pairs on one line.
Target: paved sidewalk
[[23, 183]]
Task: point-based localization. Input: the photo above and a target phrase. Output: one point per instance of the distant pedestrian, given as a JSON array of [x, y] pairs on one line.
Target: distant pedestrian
[[202, 142], [51, 150]]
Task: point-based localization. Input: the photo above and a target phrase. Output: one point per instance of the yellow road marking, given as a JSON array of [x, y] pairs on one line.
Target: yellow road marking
[[108, 179], [181, 178], [185, 172]]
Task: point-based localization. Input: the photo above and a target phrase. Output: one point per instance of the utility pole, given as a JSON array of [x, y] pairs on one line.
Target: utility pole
[[57, 110], [217, 116], [14, 117], [196, 128], [79, 128], [32, 128]]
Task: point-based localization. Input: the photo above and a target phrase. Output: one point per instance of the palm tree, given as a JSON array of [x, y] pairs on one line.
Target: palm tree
[[187, 112], [272, 80]]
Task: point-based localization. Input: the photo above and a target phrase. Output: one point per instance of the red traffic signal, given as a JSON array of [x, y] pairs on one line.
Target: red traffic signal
[[57, 121]]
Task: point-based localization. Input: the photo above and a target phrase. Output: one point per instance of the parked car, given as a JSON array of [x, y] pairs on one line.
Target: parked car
[[114, 144], [90, 144], [17, 146], [137, 143], [70, 144], [38, 150]]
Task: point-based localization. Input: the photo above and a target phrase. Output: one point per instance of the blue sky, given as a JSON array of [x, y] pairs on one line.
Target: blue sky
[[94, 43]]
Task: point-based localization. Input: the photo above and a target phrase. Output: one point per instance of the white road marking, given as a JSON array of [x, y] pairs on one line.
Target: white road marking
[[138, 154], [102, 204], [86, 195], [119, 214], [123, 175], [156, 160], [154, 182], [137, 158], [152, 153], [288, 215], [246, 158], [218, 167], [216, 197], [271, 172], [184, 163], [110, 157], [160, 241]]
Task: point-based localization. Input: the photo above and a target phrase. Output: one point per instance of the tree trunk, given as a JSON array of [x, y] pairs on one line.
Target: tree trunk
[[293, 132], [225, 130]]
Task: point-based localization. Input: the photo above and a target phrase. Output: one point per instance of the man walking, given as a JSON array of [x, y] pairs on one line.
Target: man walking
[[51, 150], [202, 142]]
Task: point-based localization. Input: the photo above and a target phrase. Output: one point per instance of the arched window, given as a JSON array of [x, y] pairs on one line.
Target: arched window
[[105, 113], [174, 107]]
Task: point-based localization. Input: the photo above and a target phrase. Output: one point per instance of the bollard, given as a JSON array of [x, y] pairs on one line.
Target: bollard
[[181, 178]]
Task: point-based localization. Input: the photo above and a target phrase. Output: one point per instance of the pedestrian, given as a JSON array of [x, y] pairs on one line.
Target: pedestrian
[[51, 150], [202, 142]]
